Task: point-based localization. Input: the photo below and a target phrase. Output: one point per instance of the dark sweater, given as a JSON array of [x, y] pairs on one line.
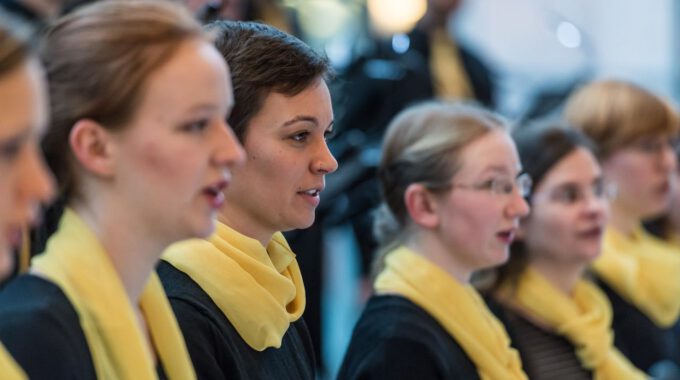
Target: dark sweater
[[42, 331], [396, 339], [216, 348], [643, 342], [545, 355]]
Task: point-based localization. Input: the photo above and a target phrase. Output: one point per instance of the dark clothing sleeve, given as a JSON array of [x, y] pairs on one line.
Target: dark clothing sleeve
[[41, 330]]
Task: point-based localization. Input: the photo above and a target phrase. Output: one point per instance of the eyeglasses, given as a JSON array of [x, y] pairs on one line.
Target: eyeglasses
[[501, 185], [570, 194]]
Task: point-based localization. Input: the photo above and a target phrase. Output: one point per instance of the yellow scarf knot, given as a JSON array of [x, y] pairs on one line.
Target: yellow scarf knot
[[644, 271], [75, 260], [234, 270], [457, 307], [584, 319]]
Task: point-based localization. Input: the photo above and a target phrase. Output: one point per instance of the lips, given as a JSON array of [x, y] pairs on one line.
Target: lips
[[215, 193], [506, 236]]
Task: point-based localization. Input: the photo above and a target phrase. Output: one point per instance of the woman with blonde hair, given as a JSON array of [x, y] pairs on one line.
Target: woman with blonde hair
[[24, 180], [141, 151], [453, 195], [634, 132]]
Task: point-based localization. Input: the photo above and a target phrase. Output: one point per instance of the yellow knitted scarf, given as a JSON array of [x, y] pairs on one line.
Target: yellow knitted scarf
[[584, 319], [643, 270], [258, 289], [457, 307], [75, 260], [8, 367]]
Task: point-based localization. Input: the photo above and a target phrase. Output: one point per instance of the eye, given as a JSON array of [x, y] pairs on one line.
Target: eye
[[300, 136], [197, 126], [329, 134], [568, 195], [9, 150], [503, 186]]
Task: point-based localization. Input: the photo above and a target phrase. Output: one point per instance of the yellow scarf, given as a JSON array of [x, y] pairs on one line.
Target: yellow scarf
[[8, 367], [75, 260], [584, 319], [457, 307], [643, 270], [448, 73], [259, 290]]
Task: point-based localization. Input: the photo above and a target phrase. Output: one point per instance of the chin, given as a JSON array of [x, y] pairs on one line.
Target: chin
[[7, 260]]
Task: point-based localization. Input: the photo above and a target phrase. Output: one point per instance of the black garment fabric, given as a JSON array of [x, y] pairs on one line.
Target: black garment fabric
[[216, 348], [545, 355], [653, 349], [41, 329], [396, 339]]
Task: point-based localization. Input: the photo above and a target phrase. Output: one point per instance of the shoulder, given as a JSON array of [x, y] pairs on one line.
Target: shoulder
[[42, 331], [396, 337]]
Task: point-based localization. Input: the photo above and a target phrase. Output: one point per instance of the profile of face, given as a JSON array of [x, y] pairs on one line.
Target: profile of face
[[478, 220], [278, 188], [24, 180], [569, 210], [173, 160], [643, 173]]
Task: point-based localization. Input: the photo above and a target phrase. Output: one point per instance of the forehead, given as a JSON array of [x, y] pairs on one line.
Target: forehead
[[196, 74], [22, 99], [577, 166], [493, 152]]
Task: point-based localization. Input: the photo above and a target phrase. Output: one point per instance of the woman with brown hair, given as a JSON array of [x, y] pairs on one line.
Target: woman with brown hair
[[558, 320], [24, 180], [634, 132], [239, 296], [453, 195], [141, 151]]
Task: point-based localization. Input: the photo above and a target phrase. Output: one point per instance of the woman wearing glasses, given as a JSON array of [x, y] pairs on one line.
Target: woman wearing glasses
[[559, 321], [453, 196], [633, 130]]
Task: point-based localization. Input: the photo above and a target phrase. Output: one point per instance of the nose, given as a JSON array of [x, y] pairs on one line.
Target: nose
[[35, 184], [595, 206], [518, 206], [229, 151], [668, 159], [324, 162]]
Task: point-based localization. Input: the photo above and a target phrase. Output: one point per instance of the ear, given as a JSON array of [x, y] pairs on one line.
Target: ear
[[92, 146], [421, 206]]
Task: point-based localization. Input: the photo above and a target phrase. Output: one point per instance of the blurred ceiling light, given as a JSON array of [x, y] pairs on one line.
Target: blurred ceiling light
[[568, 34], [390, 16]]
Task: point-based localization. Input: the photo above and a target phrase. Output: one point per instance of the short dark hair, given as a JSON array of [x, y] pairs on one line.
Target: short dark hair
[[262, 60]]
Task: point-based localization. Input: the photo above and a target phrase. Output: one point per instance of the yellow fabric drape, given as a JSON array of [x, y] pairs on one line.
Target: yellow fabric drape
[[645, 271], [584, 319], [75, 260], [259, 290], [9, 369], [457, 307], [448, 73]]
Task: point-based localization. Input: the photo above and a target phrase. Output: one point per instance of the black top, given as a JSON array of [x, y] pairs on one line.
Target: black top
[[41, 330], [545, 355], [396, 339], [216, 348], [644, 343]]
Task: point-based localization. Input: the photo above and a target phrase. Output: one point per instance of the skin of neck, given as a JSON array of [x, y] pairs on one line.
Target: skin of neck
[[231, 218], [429, 245], [562, 275], [623, 220], [133, 250]]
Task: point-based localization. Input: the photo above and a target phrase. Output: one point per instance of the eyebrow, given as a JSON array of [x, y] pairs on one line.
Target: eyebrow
[[500, 169], [305, 118]]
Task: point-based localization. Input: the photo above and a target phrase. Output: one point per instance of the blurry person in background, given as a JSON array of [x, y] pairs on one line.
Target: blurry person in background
[[559, 321], [24, 179], [453, 196], [634, 131]]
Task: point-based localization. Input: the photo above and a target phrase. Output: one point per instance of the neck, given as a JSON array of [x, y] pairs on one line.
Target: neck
[[563, 276], [134, 252], [238, 222], [429, 246], [622, 220], [46, 9]]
